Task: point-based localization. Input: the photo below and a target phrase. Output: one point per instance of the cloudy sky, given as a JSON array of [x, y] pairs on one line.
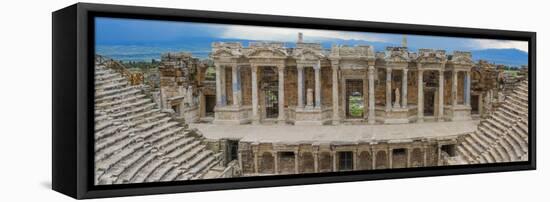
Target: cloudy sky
[[128, 31]]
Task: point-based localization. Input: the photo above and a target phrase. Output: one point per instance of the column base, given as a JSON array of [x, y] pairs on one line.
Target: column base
[[232, 115], [313, 116], [371, 121]]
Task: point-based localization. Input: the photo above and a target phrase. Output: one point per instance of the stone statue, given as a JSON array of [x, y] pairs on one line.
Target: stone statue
[[309, 98], [397, 98]]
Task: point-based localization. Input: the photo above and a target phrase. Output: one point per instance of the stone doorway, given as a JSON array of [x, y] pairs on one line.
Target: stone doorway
[[270, 87], [210, 103], [232, 147], [475, 104], [429, 102], [355, 100]]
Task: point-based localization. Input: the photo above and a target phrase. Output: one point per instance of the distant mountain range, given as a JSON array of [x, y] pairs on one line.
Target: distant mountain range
[[201, 46]]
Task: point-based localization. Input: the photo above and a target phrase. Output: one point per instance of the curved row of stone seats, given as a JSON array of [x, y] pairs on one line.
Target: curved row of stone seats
[[501, 137], [136, 142]]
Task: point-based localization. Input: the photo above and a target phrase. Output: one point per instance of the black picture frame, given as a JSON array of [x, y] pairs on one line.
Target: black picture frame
[[73, 88]]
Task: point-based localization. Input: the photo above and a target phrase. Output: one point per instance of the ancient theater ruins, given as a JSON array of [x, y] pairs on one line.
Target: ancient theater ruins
[[268, 108]]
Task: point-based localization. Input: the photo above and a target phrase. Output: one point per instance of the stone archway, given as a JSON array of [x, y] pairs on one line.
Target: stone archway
[[382, 160], [365, 161], [325, 162], [417, 159], [267, 163]]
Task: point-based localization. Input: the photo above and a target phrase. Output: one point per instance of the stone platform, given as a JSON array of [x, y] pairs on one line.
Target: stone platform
[[292, 134]]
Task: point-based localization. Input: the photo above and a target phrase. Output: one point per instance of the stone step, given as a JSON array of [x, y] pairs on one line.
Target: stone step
[[115, 170], [106, 163], [129, 105], [480, 143], [175, 160], [111, 85], [115, 92], [140, 115], [516, 148], [135, 110], [112, 80], [166, 145], [114, 103], [475, 145], [107, 76], [464, 151], [118, 96], [502, 152]]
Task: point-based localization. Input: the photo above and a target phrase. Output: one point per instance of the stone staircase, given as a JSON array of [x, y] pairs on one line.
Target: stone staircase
[[137, 142], [502, 136]]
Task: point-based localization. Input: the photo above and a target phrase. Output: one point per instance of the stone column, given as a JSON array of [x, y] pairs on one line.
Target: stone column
[[256, 169], [424, 149], [281, 70], [467, 88], [390, 158], [373, 154], [223, 87], [454, 93], [300, 86], [218, 85], [315, 161], [355, 160], [255, 116], [333, 161], [408, 157], [388, 89], [276, 161], [404, 89], [372, 110], [240, 158], [441, 87], [420, 96], [438, 154], [317, 69], [335, 109], [296, 171], [480, 104], [236, 85]]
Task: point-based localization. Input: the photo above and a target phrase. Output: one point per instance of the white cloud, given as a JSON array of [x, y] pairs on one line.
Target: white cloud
[[491, 43], [290, 34]]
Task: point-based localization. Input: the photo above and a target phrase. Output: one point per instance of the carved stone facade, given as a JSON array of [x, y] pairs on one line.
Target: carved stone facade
[[268, 82]]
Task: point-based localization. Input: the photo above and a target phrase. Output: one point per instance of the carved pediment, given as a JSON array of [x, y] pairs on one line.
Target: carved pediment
[[307, 54], [431, 56], [267, 53], [226, 52], [357, 51], [396, 55], [460, 57]]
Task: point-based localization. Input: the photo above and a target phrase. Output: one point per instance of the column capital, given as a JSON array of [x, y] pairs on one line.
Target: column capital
[[254, 68], [371, 69], [317, 66], [405, 70], [334, 62], [280, 68], [300, 67]]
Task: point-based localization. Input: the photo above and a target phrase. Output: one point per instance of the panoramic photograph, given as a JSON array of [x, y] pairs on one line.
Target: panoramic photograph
[[177, 101]]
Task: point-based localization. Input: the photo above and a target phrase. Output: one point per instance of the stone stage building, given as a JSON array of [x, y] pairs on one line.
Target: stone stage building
[[268, 82]]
